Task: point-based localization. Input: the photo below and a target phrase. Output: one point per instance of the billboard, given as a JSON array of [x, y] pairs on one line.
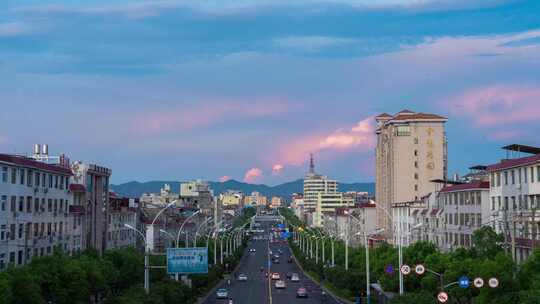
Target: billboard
[[187, 260]]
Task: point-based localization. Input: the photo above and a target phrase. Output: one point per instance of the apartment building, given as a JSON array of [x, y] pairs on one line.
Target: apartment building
[[515, 199], [255, 199], [276, 202], [122, 211], [92, 184], [232, 198], [411, 151], [466, 209], [34, 208]]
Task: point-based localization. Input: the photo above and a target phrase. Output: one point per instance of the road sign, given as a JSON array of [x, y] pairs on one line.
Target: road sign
[[389, 269], [187, 260], [405, 269], [478, 283], [442, 297], [464, 282], [419, 269], [493, 283]]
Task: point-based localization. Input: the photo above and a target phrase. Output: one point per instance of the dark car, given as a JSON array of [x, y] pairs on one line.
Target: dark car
[[289, 260], [288, 275], [276, 261]]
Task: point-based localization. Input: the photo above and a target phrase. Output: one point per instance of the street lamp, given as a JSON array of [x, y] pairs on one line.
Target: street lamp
[[209, 219], [366, 245], [146, 259], [182, 226], [168, 234]]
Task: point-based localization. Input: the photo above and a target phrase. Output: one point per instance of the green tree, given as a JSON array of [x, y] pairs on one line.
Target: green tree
[[422, 297], [24, 288], [5, 290], [486, 242]]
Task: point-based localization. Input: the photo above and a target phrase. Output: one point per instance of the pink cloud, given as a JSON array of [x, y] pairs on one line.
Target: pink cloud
[[252, 175], [277, 168], [192, 117], [224, 178], [498, 105], [500, 110], [360, 137]]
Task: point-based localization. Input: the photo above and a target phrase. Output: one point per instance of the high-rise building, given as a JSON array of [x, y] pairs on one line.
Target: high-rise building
[[315, 184], [411, 152]]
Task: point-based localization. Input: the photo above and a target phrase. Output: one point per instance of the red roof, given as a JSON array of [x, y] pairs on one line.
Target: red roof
[[417, 116], [517, 162], [468, 186], [406, 112], [34, 164], [383, 115], [77, 188]]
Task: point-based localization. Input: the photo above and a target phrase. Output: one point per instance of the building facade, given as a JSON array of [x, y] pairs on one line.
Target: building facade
[[315, 184], [515, 201], [34, 209], [411, 151], [122, 211]]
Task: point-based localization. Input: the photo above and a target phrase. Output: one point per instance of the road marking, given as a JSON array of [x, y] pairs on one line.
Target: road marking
[[269, 275]]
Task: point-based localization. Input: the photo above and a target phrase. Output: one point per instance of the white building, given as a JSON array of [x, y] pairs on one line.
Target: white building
[[34, 208], [327, 203], [122, 211], [515, 200], [315, 184]]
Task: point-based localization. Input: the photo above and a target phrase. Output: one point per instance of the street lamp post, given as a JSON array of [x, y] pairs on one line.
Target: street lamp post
[[366, 245], [146, 259], [209, 219]]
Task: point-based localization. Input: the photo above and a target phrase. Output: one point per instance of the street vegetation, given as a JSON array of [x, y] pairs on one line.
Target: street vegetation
[[487, 259]]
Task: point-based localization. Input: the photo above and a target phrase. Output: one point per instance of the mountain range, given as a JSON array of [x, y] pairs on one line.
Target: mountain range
[[135, 189]]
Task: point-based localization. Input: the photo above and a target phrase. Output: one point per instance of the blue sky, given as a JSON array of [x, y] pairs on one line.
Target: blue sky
[[247, 89]]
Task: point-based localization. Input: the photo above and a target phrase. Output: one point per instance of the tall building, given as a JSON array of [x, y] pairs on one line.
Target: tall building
[[411, 151], [327, 203], [315, 184]]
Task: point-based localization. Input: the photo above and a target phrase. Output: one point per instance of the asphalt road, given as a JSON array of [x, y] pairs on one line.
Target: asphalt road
[[259, 289]]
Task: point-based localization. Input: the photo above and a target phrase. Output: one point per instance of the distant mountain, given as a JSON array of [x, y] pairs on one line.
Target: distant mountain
[[136, 189]]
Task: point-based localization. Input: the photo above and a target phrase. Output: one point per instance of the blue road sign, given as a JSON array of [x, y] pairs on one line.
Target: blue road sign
[[187, 260], [281, 226], [285, 235], [464, 282], [389, 269]]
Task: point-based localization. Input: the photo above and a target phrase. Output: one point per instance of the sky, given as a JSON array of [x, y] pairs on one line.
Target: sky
[[246, 90]]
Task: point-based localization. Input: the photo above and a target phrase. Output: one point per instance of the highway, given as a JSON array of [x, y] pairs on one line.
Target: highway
[[259, 289]]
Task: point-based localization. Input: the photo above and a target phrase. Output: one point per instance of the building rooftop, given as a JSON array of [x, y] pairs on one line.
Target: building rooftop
[[468, 186], [408, 115], [512, 163], [34, 164]]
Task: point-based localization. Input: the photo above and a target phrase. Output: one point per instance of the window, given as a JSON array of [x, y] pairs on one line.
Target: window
[[415, 187], [506, 177], [36, 205], [13, 204], [525, 175], [498, 179], [3, 203], [493, 203], [513, 174], [13, 175], [49, 205], [29, 204], [403, 130], [415, 152], [532, 174], [506, 203], [21, 203], [61, 182], [514, 203], [4, 174], [37, 178], [29, 176], [538, 174], [50, 181], [21, 227], [56, 181], [416, 176], [416, 164], [416, 140], [21, 176]]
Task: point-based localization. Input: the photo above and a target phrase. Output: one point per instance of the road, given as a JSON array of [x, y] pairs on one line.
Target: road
[[257, 289]]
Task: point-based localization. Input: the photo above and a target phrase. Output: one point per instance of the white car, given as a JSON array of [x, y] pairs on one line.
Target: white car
[[280, 284], [295, 277], [275, 276], [252, 250], [222, 293], [242, 277]]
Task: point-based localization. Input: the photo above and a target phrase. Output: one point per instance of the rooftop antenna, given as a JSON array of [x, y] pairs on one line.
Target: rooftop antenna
[[311, 164]]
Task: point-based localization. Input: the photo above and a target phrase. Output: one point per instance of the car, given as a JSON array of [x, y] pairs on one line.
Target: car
[[270, 252], [301, 293], [242, 277], [275, 261], [275, 276], [222, 293], [288, 275], [252, 250], [289, 260], [280, 284], [276, 256], [295, 277], [280, 251]]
